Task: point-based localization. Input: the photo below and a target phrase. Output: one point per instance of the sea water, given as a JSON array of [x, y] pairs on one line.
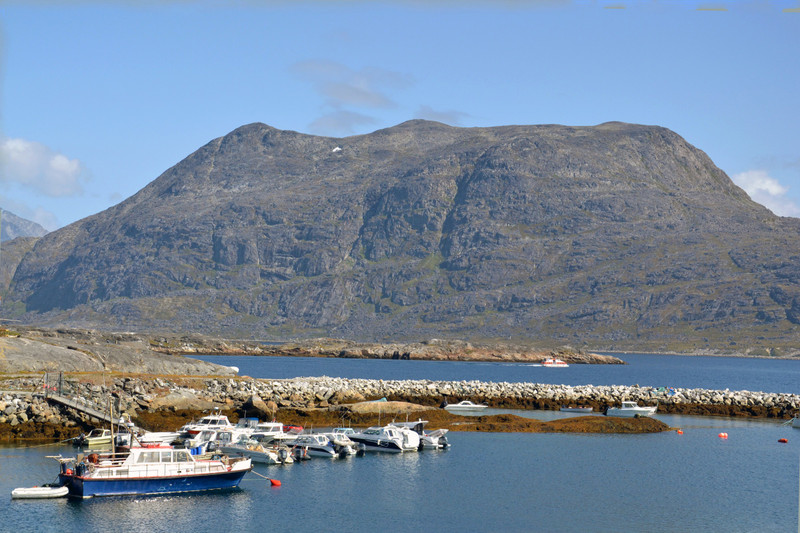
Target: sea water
[[694, 481]]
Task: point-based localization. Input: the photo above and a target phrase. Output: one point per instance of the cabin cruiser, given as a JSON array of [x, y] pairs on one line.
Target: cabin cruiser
[[631, 410], [258, 452], [210, 422], [554, 362], [312, 445], [148, 470], [389, 438], [435, 439]]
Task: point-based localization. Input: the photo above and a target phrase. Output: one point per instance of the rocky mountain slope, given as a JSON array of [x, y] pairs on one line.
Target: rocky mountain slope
[[13, 226], [610, 236]]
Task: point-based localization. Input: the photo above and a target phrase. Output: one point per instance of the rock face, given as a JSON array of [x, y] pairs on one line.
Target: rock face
[[13, 226], [614, 235]]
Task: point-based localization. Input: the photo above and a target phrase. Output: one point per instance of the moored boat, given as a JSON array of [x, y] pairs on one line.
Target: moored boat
[[150, 470], [389, 438], [575, 409], [95, 438], [45, 491], [631, 410], [434, 439], [465, 406]]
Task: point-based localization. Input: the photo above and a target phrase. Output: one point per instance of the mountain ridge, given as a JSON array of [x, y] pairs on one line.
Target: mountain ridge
[[614, 235]]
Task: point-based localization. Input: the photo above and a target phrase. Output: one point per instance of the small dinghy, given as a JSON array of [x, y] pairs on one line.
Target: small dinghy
[[45, 491]]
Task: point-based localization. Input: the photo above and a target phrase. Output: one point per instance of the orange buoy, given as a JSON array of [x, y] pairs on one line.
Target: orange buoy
[[275, 482], [723, 435], [680, 432], [783, 440]]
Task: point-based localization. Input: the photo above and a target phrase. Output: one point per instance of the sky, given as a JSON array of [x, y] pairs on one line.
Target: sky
[[98, 98]]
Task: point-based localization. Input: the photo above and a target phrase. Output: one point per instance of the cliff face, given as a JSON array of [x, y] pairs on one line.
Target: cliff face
[[615, 235]]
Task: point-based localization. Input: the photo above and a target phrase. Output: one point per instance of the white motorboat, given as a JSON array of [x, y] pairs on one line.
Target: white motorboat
[[267, 432], [158, 437], [342, 442], [96, 437], [312, 445], [554, 362], [211, 422], [435, 439], [389, 438], [465, 406], [258, 452], [45, 491], [631, 410]]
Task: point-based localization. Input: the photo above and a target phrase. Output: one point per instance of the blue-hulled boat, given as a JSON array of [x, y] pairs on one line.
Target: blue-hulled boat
[[149, 470]]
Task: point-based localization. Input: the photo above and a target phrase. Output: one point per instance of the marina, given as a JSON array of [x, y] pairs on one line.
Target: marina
[[745, 482]]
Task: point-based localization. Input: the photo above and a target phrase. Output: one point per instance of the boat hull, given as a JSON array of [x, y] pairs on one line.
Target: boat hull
[[87, 487], [31, 493], [378, 446]]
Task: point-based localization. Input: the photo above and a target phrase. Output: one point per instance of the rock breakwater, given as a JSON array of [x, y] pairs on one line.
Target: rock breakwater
[[25, 407]]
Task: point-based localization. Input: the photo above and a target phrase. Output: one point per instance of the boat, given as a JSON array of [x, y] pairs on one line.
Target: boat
[[212, 422], [49, 490], [313, 445], [553, 362], [148, 470], [266, 432], [465, 406], [389, 438], [259, 452], [434, 439], [158, 437], [96, 437], [342, 442], [575, 409], [631, 410]]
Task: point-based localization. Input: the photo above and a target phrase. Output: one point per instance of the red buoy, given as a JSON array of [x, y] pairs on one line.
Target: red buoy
[[783, 440], [275, 482], [723, 435], [680, 432]]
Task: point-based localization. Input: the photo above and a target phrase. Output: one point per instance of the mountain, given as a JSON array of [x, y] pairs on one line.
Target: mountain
[[611, 236], [14, 226]]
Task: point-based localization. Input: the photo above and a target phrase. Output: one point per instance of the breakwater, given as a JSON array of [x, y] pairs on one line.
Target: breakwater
[[29, 403]]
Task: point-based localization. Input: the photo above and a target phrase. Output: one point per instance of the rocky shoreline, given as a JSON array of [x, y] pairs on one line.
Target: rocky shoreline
[[26, 412]]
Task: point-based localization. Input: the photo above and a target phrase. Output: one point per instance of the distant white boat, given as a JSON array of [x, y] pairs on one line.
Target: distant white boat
[[553, 362], [465, 406], [571, 409], [630, 410]]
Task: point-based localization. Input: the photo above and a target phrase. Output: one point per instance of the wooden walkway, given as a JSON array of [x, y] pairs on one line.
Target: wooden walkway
[[82, 407]]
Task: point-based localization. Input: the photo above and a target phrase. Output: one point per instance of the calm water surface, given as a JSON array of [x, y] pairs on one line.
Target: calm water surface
[[485, 482], [734, 373]]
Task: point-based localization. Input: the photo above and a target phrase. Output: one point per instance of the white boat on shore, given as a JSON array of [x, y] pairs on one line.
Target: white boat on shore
[[631, 410], [465, 406]]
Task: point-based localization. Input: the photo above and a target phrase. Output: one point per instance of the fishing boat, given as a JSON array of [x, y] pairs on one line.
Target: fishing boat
[[45, 491], [553, 362], [631, 410], [148, 470], [465, 406]]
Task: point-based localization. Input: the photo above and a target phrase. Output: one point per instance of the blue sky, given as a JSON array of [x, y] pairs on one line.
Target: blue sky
[[99, 98]]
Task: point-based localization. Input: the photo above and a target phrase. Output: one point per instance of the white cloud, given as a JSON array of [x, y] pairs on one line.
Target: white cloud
[[36, 166], [767, 191]]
